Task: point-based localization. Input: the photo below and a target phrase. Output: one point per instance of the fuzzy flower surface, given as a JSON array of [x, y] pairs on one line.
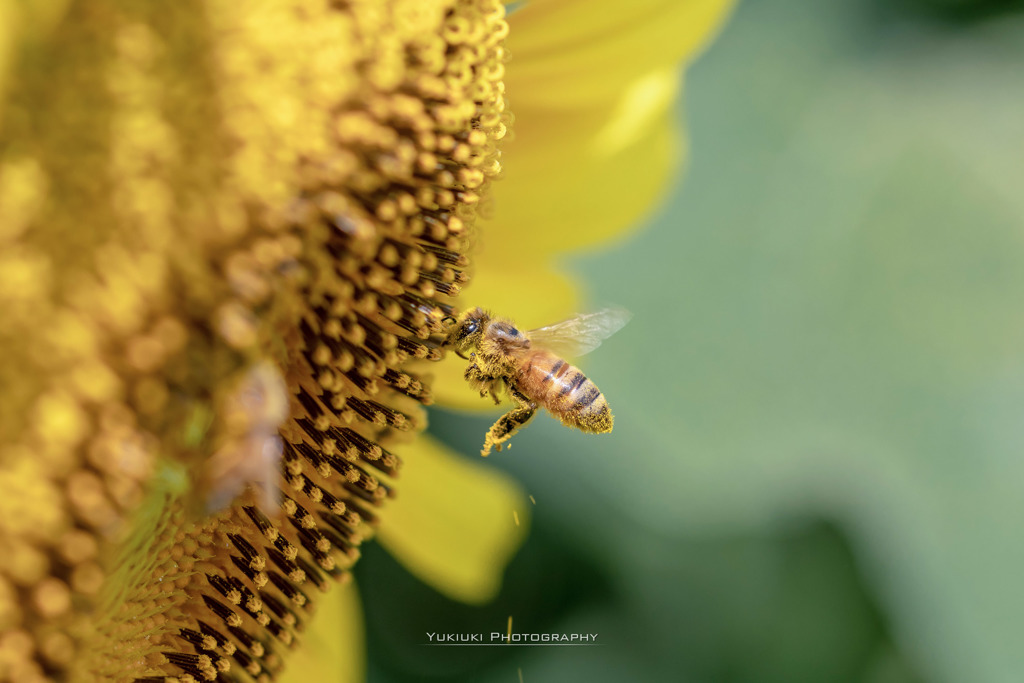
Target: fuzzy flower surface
[[228, 236]]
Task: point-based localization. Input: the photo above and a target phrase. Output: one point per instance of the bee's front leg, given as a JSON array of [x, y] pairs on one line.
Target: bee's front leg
[[484, 383], [509, 423]]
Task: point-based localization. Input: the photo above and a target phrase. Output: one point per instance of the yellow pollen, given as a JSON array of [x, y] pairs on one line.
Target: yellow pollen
[[52, 597]]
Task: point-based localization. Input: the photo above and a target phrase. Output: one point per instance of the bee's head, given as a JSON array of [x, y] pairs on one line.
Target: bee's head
[[467, 331]]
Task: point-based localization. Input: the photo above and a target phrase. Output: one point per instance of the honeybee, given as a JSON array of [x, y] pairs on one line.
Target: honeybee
[[251, 453], [530, 366]]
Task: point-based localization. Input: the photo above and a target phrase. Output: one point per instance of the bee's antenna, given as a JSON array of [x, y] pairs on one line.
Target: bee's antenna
[[449, 318]]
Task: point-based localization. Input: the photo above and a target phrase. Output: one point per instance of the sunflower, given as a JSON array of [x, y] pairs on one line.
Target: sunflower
[[229, 236]]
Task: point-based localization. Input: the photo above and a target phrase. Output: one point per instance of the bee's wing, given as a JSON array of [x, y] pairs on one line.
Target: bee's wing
[[582, 333]]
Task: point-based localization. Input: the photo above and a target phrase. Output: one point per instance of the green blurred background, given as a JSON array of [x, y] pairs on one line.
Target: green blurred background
[[816, 472]]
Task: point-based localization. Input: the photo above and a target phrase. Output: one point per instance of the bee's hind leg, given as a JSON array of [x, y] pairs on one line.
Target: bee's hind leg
[[507, 425]]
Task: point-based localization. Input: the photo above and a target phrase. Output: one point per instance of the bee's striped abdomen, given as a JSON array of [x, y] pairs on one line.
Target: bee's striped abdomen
[[566, 392]]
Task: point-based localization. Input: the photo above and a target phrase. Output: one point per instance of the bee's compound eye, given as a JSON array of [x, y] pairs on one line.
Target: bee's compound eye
[[471, 327]]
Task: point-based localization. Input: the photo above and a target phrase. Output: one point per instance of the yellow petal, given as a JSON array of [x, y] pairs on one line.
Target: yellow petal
[[592, 83], [567, 53], [334, 647], [531, 291], [575, 181], [454, 522]]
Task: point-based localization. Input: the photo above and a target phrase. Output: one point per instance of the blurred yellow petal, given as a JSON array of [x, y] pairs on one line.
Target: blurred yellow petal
[[643, 102], [592, 86], [335, 645], [617, 169], [569, 53], [453, 523]]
